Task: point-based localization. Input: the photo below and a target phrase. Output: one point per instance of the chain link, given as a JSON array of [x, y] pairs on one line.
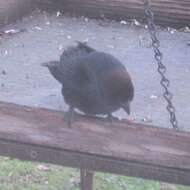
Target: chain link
[[165, 83]]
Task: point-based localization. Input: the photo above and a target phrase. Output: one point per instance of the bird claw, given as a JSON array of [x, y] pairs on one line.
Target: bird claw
[[67, 120], [111, 118], [68, 117]]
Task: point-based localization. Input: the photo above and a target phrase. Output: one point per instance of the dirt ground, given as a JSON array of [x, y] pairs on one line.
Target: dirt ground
[[24, 81]]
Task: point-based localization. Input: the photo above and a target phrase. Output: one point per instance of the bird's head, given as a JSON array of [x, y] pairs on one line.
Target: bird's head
[[120, 88]]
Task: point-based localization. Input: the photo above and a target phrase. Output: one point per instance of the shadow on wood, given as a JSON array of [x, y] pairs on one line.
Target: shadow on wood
[[125, 148]]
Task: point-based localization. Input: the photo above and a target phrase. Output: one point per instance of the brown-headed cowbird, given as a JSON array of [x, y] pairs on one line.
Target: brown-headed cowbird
[[92, 81]]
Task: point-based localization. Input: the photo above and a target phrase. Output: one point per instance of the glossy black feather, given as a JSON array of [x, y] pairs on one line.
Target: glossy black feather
[[92, 81]]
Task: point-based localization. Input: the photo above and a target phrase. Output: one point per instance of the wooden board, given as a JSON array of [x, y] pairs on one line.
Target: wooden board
[[172, 12], [125, 148], [11, 10]]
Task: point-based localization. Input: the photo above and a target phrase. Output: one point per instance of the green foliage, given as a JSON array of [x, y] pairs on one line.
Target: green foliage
[[24, 175]]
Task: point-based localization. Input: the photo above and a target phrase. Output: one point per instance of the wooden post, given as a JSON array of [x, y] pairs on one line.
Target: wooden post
[[86, 177]]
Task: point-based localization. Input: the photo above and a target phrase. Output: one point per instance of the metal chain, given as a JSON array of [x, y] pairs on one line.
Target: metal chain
[[161, 68]]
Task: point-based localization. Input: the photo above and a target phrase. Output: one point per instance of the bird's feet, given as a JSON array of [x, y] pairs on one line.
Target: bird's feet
[[111, 118], [68, 117]]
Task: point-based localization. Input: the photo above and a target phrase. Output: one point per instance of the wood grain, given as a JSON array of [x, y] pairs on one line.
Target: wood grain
[[125, 148], [11, 10], [172, 12]]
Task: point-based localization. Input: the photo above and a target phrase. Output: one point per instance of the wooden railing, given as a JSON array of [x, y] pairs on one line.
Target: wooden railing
[[92, 144]]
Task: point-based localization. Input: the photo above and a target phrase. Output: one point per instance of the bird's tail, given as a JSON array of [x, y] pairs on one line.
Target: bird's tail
[[126, 107]]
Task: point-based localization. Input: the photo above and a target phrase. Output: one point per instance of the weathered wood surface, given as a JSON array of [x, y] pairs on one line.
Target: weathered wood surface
[[11, 10], [175, 12], [124, 148]]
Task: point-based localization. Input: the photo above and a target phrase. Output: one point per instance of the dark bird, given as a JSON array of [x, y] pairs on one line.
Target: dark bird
[[92, 81]]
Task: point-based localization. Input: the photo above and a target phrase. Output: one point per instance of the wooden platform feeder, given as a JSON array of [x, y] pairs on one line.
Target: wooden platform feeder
[[91, 144], [171, 12], [125, 148]]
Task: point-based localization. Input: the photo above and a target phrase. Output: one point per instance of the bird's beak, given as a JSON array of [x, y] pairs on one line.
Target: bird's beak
[[50, 64], [46, 64], [126, 107]]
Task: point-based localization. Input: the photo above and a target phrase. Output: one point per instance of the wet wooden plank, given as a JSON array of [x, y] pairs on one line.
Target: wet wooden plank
[[125, 148], [173, 12]]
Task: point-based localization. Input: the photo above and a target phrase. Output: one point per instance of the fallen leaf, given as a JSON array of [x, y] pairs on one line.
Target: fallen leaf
[[43, 167]]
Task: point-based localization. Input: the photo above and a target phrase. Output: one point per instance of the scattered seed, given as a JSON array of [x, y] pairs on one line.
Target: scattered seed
[[153, 97], [123, 22], [58, 13]]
